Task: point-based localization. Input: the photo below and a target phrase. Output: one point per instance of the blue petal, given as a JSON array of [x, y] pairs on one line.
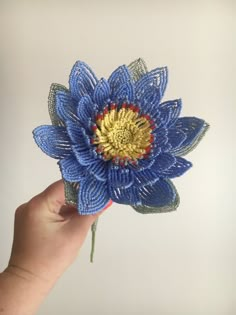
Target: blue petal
[[118, 78], [151, 87], [169, 111], [98, 169], [93, 196], [82, 80], [162, 162], [145, 177], [120, 177], [194, 129], [161, 137], [77, 134], [158, 194], [144, 209], [124, 93], [175, 138], [148, 99], [83, 151], [101, 93], [71, 170], [142, 164], [53, 140], [179, 168], [127, 196], [65, 106], [86, 111]]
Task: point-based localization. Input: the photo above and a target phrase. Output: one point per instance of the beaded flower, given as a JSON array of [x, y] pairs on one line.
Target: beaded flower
[[116, 140]]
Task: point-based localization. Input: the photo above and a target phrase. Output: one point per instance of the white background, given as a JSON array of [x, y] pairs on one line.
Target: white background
[[177, 263]]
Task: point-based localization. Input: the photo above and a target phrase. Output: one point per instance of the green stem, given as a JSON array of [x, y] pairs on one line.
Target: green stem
[[93, 230]]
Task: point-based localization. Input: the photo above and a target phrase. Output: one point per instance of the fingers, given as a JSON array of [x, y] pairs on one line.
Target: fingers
[[51, 199]]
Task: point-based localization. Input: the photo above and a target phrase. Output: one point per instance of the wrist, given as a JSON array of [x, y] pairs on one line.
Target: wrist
[[21, 292], [27, 279]]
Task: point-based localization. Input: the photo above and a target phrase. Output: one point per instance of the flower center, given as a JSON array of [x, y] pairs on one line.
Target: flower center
[[120, 137], [122, 134]]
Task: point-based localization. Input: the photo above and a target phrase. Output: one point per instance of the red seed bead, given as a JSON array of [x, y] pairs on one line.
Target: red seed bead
[[151, 122], [146, 156], [113, 106], [147, 117], [148, 149], [105, 111], [98, 150], [94, 127], [99, 117], [132, 107], [124, 105], [153, 127], [136, 109]]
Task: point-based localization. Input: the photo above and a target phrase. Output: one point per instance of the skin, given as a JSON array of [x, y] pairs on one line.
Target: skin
[[47, 238]]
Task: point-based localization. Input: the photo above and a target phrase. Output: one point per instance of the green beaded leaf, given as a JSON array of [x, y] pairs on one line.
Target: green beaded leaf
[[168, 208], [52, 103], [137, 69], [71, 192]]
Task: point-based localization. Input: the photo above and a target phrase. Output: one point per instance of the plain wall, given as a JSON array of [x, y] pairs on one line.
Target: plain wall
[[177, 263]]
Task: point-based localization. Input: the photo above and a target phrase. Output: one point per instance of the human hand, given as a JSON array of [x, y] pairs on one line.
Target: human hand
[[48, 234]]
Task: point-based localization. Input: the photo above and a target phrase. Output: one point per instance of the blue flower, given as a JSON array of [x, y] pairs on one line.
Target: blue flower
[[116, 140]]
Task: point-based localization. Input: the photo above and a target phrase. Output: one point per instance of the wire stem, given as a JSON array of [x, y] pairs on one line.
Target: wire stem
[[93, 230]]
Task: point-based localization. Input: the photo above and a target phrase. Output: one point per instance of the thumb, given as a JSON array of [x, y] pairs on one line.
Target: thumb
[[52, 198]]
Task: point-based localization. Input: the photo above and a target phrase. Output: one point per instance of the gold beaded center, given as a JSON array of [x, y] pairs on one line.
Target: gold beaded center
[[123, 133]]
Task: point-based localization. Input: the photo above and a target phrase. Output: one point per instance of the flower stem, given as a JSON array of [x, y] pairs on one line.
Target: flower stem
[[93, 230]]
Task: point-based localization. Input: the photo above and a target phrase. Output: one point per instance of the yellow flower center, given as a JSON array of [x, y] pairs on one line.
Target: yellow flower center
[[123, 134]]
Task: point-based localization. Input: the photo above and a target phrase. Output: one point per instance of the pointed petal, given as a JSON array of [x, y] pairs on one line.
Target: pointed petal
[[177, 169], [175, 138], [118, 79], [77, 134], [142, 164], [146, 177], [194, 129], [86, 111], [158, 194], [124, 93], [101, 93], [120, 177], [53, 140], [83, 154], [137, 69], [161, 137], [162, 162], [54, 89], [144, 209], [169, 112], [151, 87], [71, 170], [83, 150], [127, 196], [98, 170], [82, 80], [93, 196], [65, 106]]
